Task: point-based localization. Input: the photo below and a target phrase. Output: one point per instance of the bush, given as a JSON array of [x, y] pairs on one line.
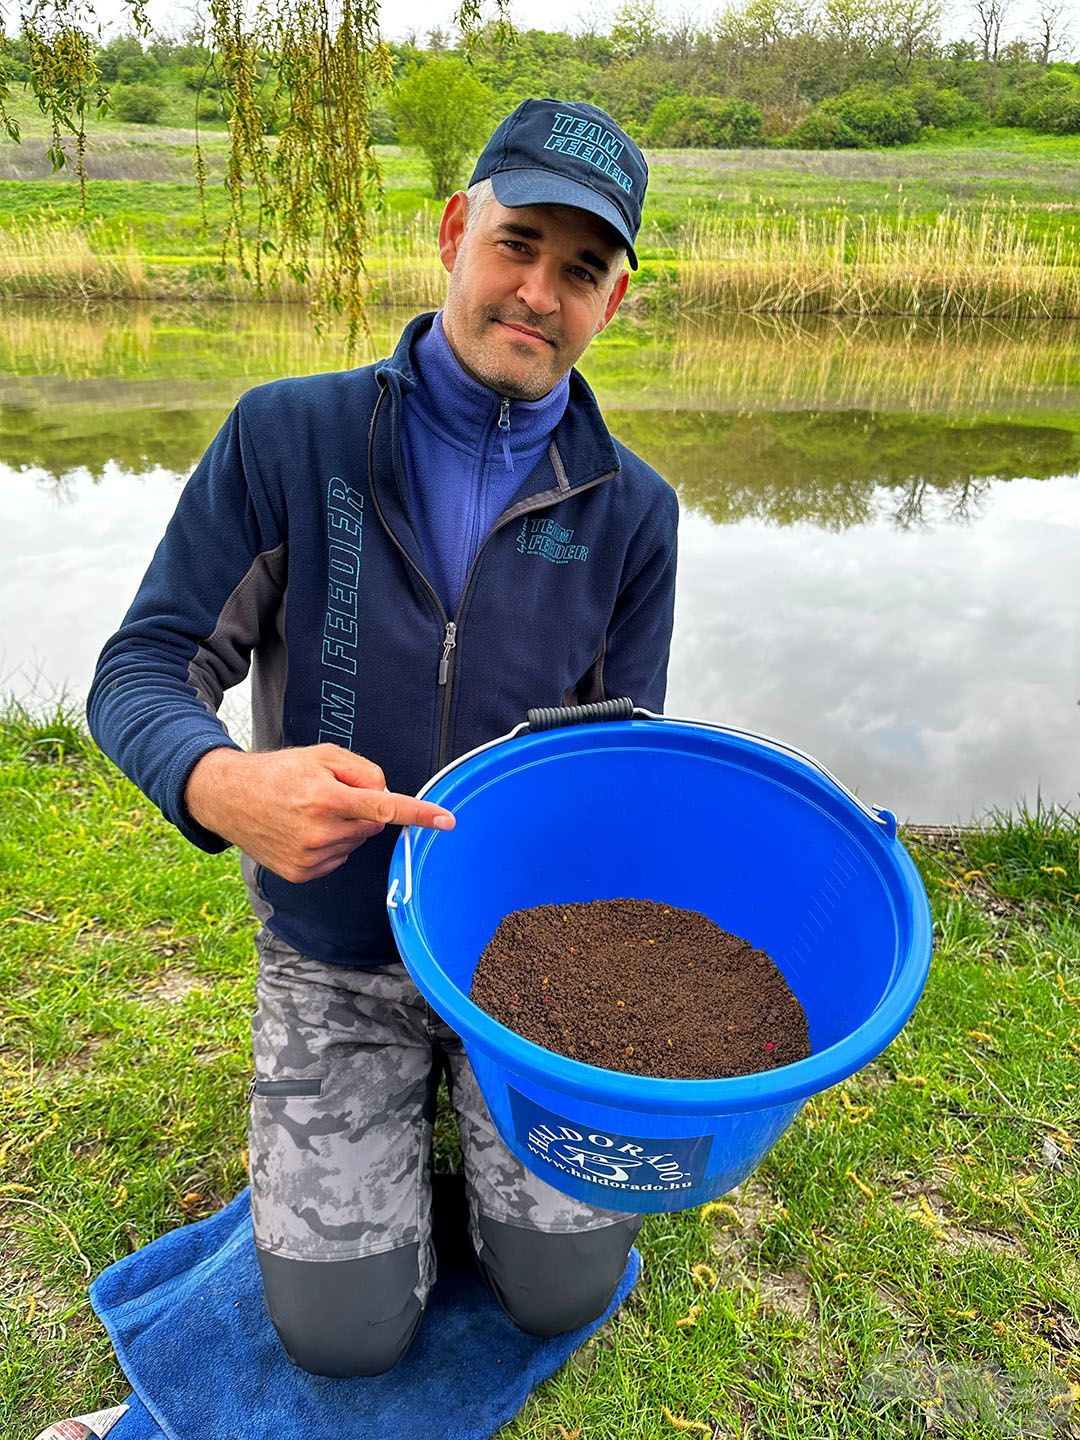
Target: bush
[[16, 71], [443, 109], [142, 104], [383, 130], [133, 72], [1049, 103], [861, 118], [1067, 119], [199, 77], [123, 50], [821, 130], [698, 121], [945, 109]]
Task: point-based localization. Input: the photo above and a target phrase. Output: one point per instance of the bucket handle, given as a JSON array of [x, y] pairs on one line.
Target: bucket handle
[[877, 813], [624, 709]]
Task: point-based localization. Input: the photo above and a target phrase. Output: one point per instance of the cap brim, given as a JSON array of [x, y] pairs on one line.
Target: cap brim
[[514, 188]]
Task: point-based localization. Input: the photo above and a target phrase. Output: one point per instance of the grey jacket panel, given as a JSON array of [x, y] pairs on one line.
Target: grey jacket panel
[[224, 659]]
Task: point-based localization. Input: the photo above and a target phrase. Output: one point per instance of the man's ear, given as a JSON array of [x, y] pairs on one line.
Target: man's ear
[[614, 300], [452, 228]]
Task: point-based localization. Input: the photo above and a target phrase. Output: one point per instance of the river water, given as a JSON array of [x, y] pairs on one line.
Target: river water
[[878, 543]]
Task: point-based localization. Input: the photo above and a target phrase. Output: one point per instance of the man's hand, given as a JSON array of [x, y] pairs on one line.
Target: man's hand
[[300, 812]]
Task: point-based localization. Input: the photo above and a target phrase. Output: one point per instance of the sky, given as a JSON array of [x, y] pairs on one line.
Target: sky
[[420, 16]]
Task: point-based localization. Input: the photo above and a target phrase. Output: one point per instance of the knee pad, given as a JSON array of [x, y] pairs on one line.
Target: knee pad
[[548, 1284], [344, 1318]]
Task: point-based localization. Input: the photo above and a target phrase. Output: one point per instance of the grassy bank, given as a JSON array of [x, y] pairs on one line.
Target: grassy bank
[[962, 265], [987, 226], [906, 1262]]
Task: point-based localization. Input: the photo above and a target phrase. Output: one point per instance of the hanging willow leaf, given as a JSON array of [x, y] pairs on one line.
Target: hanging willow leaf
[[302, 200]]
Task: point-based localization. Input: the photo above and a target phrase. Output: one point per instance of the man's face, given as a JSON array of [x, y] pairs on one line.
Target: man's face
[[529, 288]]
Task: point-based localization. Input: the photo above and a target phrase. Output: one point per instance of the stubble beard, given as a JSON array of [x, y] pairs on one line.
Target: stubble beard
[[490, 373]]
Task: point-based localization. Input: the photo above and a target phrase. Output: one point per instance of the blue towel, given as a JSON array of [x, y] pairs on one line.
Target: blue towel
[[187, 1319]]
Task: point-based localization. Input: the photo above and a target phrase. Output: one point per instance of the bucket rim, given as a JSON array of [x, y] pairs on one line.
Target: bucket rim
[[621, 1090]]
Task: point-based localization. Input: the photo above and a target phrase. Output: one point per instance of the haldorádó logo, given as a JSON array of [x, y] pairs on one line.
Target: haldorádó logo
[[623, 1162], [603, 1159]]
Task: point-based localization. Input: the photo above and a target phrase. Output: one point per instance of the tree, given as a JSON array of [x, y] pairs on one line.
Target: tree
[[861, 118], [123, 50], [857, 24], [682, 121], [913, 27], [310, 193], [989, 18], [636, 27], [1052, 25], [443, 110], [772, 52]]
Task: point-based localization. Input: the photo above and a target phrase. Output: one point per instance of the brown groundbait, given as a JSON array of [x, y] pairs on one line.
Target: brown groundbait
[[641, 987]]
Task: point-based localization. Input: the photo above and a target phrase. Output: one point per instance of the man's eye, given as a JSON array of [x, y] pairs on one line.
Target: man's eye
[[584, 274], [514, 244]]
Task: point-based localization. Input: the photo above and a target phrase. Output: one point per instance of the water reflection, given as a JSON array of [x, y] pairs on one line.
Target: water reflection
[[879, 531], [875, 363], [829, 467], [730, 362], [936, 670]]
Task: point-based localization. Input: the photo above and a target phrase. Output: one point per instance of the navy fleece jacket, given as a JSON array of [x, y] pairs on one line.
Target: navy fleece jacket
[[292, 550]]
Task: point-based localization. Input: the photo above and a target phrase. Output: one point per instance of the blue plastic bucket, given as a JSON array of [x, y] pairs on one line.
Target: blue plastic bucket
[[754, 835]]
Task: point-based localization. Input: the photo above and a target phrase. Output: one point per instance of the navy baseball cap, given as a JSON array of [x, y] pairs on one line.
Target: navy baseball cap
[[550, 152]]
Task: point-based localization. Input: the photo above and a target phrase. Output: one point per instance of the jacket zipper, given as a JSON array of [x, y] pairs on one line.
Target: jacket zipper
[[446, 665], [448, 644], [504, 428], [450, 640]]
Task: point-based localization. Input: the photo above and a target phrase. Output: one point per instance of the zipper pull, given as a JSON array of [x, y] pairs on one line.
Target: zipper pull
[[504, 426], [448, 645]]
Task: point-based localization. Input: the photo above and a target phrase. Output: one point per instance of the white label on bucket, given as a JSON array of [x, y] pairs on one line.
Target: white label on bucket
[[605, 1159]]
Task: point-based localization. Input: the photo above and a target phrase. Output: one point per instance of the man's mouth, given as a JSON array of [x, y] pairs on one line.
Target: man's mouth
[[525, 332]]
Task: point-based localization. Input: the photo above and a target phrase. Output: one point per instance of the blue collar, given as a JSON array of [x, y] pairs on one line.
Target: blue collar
[[459, 407], [586, 449]]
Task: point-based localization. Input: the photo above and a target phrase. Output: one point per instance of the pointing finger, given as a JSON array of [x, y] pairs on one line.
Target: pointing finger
[[389, 808]]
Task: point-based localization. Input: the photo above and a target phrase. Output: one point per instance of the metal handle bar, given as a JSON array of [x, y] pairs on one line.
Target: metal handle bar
[[625, 709]]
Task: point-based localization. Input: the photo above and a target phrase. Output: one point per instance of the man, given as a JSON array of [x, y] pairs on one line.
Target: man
[[411, 555]]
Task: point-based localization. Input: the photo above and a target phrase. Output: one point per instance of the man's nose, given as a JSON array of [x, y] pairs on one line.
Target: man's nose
[[539, 289]]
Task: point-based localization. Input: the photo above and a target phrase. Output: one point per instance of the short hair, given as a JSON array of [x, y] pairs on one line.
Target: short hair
[[478, 195]]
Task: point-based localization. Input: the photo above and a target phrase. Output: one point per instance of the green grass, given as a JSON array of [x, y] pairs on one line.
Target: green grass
[[906, 1260], [751, 230], [156, 206], [179, 110]]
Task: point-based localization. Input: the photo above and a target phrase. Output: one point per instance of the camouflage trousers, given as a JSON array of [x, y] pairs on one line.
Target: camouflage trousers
[[347, 1063]]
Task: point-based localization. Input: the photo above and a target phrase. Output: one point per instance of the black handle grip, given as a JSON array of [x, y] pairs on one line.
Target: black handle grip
[[551, 718]]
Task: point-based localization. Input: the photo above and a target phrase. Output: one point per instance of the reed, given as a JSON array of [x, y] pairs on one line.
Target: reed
[[172, 342], [928, 365], [961, 264], [58, 259]]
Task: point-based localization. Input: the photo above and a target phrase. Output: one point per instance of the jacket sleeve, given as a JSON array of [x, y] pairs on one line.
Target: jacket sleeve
[[639, 634], [188, 635]]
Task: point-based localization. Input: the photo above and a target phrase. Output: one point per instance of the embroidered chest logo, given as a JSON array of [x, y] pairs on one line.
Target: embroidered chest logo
[[550, 541]]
